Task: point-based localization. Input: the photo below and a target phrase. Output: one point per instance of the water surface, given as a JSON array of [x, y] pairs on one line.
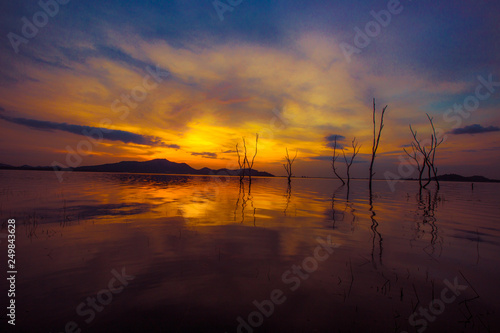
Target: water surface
[[202, 250]]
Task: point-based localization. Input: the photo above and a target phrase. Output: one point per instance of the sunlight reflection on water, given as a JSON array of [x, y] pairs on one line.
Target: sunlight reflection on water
[[202, 251]]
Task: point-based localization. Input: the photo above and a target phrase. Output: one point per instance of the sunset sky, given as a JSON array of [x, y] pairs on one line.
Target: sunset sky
[[185, 81]]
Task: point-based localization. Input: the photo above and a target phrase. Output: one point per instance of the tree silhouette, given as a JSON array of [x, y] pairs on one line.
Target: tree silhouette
[[432, 154], [250, 165], [243, 161], [288, 165], [376, 139], [334, 159], [425, 156], [240, 164], [355, 151], [418, 150]]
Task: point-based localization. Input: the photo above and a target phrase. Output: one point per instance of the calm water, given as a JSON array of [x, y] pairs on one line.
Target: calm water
[[198, 253]]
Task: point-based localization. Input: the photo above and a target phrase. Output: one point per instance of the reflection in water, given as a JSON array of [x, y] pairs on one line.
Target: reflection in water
[[348, 206], [250, 198], [376, 233], [333, 206], [244, 198], [348, 191], [288, 197], [203, 249], [241, 196], [426, 208]]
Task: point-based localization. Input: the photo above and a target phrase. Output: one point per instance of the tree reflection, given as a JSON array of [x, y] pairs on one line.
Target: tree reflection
[[288, 197], [376, 233], [333, 206], [426, 208], [245, 198]]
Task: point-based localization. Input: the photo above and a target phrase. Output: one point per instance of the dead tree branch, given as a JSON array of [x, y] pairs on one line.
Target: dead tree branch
[[434, 144], [334, 159], [240, 164], [427, 155], [288, 165], [415, 156], [250, 165], [355, 151], [376, 139]]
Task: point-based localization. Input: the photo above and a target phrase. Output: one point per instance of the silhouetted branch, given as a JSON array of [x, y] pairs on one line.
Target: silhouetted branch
[[241, 166], [434, 143], [376, 138], [420, 166], [334, 159], [428, 154], [355, 151], [422, 150], [245, 159], [288, 165], [250, 165]]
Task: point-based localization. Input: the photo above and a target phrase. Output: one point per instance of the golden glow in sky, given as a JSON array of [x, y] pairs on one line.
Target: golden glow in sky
[[293, 94]]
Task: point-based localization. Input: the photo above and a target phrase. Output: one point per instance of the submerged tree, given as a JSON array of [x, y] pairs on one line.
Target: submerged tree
[[432, 154], [250, 165], [355, 151], [376, 139], [425, 156], [334, 159], [240, 163], [419, 155], [243, 160], [288, 165]]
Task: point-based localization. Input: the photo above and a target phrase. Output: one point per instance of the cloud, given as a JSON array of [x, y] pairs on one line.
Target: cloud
[[331, 141], [332, 137], [331, 144], [107, 134], [205, 155], [321, 158], [474, 129], [160, 143], [329, 158]]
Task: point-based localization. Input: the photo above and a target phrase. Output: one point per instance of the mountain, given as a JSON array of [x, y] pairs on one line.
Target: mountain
[[153, 166], [24, 167], [473, 179]]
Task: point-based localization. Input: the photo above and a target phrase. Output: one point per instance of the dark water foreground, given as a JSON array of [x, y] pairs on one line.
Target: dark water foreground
[[154, 253]]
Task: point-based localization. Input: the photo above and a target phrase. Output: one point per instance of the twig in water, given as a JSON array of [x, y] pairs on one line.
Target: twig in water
[[418, 299]]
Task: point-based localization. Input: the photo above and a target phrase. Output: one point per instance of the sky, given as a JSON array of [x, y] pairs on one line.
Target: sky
[[93, 82]]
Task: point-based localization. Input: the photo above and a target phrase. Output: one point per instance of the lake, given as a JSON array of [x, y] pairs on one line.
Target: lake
[[106, 252]]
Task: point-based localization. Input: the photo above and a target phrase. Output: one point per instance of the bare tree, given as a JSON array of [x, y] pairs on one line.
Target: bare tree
[[243, 160], [288, 165], [376, 139], [432, 155], [334, 159], [250, 165], [355, 151], [240, 163], [419, 155], [425, 156], [415, 156]]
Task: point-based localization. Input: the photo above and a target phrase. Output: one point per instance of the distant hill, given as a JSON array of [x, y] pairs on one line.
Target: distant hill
[[473, 179], [24, 167], [153, 166]]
